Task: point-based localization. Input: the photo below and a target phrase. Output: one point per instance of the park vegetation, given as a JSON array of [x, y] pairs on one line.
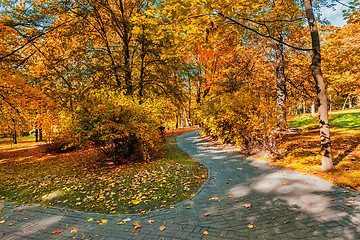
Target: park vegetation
[[110, 75]]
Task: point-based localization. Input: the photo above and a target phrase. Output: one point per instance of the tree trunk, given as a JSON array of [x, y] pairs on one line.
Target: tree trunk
[[15, 137], [36, 135], [350, 102], [40, 135], [280, 85], [326, 154], [189, 109], [198, 94], [186, 118], [298, 111], [346, 99], [312, 108], [304, 107], [177, 122]]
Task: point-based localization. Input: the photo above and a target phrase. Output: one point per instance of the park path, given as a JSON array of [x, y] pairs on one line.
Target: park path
[[284, 205]]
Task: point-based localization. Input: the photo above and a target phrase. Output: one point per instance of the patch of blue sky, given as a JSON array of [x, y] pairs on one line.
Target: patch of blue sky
[[334, 14]]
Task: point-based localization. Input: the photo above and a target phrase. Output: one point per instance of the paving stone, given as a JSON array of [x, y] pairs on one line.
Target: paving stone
[[285, 205]]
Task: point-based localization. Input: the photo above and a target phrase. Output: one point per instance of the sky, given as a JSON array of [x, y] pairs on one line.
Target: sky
[[334, 15]]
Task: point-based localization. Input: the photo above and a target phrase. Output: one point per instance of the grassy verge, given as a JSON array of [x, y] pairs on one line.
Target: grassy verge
[[77, 181], [6, 143], [301, 150]]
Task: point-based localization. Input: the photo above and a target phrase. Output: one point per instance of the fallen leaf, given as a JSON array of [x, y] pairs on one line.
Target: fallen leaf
[[74, 230], [90, 219], [247, 205], [1, 222], [162, 228], [230, 196], [137, 225], [206, 214], [126, 220], [102, 222], [214, 198], [150, 221], [240, 168], [348, 204], [120, 223], [57, 231], [251, 226], [286, 222], [206, 233]]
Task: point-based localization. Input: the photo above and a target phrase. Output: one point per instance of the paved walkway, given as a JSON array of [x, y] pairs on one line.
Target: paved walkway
[[284, 205]]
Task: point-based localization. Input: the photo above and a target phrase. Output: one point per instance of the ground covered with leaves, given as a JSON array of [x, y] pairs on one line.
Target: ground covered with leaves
[[301, 149], [78, 181]]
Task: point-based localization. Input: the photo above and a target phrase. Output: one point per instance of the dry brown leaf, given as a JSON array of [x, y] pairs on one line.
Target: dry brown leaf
[[162, 228], [74, 230], [247, 205]]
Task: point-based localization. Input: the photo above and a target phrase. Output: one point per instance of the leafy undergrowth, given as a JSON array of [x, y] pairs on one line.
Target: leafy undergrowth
[[76, 180], [302, 149]]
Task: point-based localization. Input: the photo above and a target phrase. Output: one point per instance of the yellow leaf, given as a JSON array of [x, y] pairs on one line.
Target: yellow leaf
[[1, 222], [150, 221], [206, 233], [251, 226], [73, 230], [90, 219], [162, 228], [135, 202]]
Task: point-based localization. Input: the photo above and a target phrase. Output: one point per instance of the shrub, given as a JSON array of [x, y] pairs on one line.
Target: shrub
[[118, 127], [240, 119]]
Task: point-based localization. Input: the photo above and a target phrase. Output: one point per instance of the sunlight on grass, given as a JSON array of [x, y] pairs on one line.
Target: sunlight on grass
[[302, 150], [6, 143], [78, 181]]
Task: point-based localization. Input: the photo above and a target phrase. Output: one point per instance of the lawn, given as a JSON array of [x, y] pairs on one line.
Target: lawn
[[76, 180], [301, 149], [6, 143]]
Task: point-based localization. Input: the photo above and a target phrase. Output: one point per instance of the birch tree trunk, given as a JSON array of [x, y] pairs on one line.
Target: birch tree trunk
[[326, 154], [186, 118], [312, 108], [280, 85]]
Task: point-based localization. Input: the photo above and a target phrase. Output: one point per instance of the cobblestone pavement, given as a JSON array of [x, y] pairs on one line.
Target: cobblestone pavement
[[284, 205]]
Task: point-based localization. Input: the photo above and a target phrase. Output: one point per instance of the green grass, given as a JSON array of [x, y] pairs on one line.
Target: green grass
[[77, 181], [348, 119], [301, 150]]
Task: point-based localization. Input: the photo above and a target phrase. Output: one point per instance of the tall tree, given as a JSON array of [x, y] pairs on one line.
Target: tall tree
[[326, 154]]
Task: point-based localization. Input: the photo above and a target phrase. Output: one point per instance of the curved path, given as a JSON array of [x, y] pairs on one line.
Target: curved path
[[284, 205]]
